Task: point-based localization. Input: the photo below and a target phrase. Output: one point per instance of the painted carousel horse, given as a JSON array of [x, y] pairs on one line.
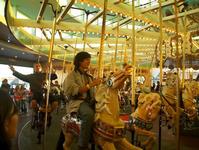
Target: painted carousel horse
[[141, 121], [169, 98], [188, 96], [108, 129]]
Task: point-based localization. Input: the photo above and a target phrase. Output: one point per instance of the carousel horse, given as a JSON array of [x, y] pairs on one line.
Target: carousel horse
[[169, 98], [149, 105], [187, 96], [108, 129], [141, 121]]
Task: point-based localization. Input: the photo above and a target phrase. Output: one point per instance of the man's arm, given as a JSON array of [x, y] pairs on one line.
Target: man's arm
[[19, 75]]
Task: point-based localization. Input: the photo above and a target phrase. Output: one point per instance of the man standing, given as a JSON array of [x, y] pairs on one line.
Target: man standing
[[37, 81]]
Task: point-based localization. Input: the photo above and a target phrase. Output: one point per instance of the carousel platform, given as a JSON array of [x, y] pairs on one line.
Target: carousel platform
[[27, 137]]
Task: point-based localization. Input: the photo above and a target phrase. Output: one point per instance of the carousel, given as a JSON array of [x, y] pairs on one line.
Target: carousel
[[126, 40]]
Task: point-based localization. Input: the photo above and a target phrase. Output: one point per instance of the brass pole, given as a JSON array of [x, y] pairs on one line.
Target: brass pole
[[75, 51], [165, 48], [161, 65], [116, 44], [178, 82], [122, 53], [125, 53], [133, 77], [49, 72], [100, 60], [63, 67], [161, 41], [49, 76], [86, 30], [184, 49]]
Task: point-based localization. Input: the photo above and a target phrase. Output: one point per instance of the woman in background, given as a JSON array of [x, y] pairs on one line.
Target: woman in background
[[5, 86], [8, 120]]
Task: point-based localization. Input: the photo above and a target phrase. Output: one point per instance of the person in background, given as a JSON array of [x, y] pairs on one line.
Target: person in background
[[36, 80], [5, 86], [157, 89], [197, 78], [8, 120], [79, 87], [153, 87], [37, 87], [18, 96]]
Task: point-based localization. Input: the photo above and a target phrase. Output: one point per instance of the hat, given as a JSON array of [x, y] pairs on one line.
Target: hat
[[146, 89]]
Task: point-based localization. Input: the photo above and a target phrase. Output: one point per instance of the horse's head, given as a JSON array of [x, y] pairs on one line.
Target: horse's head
[[107, 95], [169, 91], [171, 80], [116, 80], [148, 106], [189, 94]]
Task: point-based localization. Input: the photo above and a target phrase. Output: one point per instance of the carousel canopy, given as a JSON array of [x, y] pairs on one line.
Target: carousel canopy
[[78, 26]]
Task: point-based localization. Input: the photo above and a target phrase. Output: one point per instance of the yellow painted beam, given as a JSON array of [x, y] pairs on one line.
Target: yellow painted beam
[[99, 14], [164, 4], [79, 27], [41, 10], [124, 9], [65, 11], [190, 12]]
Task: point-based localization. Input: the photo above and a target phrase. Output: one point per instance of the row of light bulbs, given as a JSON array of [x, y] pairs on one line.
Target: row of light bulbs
[[146, 21]]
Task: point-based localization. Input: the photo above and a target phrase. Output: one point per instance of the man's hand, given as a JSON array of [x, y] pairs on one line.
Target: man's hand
[[12, 68], [95, 82], [128, 70]]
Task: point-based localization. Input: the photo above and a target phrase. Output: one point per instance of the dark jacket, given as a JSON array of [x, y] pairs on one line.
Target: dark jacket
[[36, 80], [5, 87], [4, 145]]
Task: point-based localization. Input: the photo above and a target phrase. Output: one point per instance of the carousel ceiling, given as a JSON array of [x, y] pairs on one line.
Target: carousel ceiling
[[78, 26]]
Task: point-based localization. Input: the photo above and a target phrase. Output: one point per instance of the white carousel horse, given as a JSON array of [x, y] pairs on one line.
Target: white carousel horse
[[141, 121], [109, 129], [149, 105], [188, 95], [169, 97]]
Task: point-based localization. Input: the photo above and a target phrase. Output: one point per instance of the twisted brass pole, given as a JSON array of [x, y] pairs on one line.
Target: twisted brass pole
[[133, 52], [161, 65], [184, 49], [116, 44], [49, 77], [161, 41], [125, 53], [100, 60], [63, 67], [178, 82], [85, 34]]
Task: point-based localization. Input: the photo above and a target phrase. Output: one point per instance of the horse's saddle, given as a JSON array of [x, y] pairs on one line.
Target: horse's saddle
[[71, 123]]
